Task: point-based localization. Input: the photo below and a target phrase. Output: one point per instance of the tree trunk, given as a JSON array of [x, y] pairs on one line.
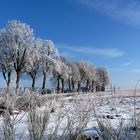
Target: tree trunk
[[4, 76], [69, 81], [62, 82], [33, 83], [87, 86], [44, 81], [79, 86], [9, 80], [92, 86], [73, 86], [58, 84], [103, 88], [17, 81], [98, 88]]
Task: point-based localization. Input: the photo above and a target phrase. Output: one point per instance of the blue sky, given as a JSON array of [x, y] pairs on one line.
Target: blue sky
[[105, 32]]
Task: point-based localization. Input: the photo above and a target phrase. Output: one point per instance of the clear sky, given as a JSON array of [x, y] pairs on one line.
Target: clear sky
[[105, 32]]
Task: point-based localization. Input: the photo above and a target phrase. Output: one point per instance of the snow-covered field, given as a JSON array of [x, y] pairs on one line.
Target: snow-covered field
[[84, 110]]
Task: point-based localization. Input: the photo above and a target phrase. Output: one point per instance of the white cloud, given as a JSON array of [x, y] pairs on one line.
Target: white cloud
[[106, 52], [125, 11], [68, 54], [127, 63]]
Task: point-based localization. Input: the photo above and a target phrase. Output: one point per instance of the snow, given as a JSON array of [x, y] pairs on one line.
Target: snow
[[102, 105]]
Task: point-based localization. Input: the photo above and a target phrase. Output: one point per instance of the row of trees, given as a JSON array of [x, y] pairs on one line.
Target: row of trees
[[21, 52], [81, 75]]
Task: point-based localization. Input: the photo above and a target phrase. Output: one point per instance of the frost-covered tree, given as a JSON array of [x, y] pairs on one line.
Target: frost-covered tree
[[80, 65], [102, 78], [91, 77], [21, 52], [19, 38], [6, 65], [49, 57], [65, 72], [60, 74], [57, 75], [33, 65], [89, 74], [69, 77], [17, 43], [64, 76], [75, 76], [86, 70]]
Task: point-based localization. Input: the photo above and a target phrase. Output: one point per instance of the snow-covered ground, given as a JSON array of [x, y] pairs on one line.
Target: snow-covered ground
[[112, 109]]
